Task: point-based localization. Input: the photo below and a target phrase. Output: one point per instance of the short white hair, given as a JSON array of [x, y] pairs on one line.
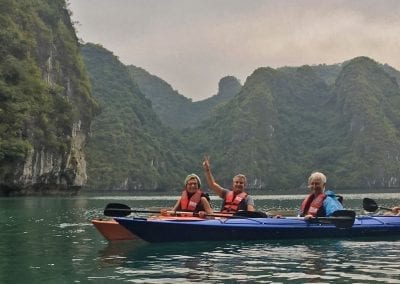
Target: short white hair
[[317, 175], [193, 176]]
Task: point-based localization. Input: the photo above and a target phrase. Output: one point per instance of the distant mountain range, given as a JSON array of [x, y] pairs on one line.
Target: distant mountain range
[[286, 123], [283, 123], [74, 116], [174, 109]]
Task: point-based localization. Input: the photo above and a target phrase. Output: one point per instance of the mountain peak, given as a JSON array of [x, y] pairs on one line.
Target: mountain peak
[[228, 85]]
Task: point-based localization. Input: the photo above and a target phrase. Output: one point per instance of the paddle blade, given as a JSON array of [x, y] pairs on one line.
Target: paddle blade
[[369, 205], [343, 219], [117, 210]]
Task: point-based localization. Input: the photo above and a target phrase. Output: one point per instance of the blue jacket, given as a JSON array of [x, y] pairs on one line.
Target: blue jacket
[[331, 204]]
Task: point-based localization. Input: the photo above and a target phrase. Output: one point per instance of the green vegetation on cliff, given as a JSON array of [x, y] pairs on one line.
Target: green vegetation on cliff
[[366, 101], [43, 83], [129, 148], [282, 124], [175, 110], [286, 123]]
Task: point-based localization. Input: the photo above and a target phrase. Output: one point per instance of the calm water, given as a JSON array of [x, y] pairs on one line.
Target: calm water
[[51, 240]]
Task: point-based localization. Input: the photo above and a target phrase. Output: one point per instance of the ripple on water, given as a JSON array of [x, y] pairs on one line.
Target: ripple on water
[[329, 262]]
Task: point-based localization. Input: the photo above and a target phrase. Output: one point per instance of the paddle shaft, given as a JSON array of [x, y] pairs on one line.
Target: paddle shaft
[[132, 211], [119, 212], [385, 208], [332, 218], [128, 211], [370, 205], [175, 213], [122, 210]]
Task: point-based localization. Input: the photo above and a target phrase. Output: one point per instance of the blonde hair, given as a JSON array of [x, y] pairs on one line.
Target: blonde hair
[[193, 176], [317, 175]]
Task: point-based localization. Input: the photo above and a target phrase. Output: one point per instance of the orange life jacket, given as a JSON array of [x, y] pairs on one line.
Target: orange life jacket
[[190, 204], [232, 202], [312, 204]]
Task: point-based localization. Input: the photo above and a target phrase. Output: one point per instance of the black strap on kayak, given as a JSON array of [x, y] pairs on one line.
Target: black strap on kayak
[[371, 206], [342, 219]]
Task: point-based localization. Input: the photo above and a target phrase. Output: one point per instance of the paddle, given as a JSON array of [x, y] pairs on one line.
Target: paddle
[[122, 210], [371, 206], [342, 219], [250, 214]]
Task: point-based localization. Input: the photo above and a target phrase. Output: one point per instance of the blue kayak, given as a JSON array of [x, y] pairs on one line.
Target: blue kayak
[[259, 228]]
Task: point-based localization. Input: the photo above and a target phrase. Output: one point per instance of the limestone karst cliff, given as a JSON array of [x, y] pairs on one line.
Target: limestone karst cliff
[[46, 104]]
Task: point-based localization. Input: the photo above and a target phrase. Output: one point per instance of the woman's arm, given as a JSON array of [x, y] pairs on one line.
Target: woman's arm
[[250, 203], [206, 205], [176, 206]]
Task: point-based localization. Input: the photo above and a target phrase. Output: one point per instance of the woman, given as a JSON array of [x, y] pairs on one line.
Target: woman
[[192, 198], [319, 203]]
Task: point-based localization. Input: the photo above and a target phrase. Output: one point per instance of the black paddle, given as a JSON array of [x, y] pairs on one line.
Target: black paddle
[[122, 210], [342, 219], [250, 214], [371, 206]]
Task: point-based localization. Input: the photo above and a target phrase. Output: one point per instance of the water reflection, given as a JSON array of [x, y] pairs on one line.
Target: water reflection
[[115, 253], [314, 261]]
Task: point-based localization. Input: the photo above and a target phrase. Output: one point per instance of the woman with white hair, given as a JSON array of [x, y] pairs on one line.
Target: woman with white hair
[[319, 203], [192, 198]]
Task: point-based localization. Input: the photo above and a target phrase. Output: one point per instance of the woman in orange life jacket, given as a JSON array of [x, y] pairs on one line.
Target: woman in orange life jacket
[[235, 199], [319, 203], [192, 198]]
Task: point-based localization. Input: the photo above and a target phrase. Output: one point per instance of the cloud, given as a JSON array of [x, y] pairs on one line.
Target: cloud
[[193, 44]]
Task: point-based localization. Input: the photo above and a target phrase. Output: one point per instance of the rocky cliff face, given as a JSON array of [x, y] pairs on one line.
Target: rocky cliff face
[[228, 87], [46, 171], [45, 151]]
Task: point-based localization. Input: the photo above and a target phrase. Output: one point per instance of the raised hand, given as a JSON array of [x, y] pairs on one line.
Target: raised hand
[[206, 163]]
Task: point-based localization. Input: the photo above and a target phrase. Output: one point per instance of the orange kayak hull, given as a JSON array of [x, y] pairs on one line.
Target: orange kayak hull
[[112, 230]]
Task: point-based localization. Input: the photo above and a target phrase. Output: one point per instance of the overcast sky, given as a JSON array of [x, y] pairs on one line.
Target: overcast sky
[[192, 44]]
